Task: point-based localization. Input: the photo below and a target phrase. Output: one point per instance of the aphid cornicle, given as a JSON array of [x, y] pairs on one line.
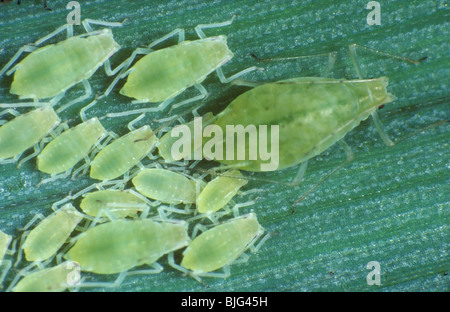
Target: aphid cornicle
[[120, 245], [25, 131], [163, 74], [47, 72], [221, 245]]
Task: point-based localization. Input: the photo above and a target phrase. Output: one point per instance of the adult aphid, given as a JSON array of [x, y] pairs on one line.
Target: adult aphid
[[309, 114]]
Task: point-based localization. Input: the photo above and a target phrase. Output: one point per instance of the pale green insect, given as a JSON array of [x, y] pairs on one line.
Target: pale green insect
[[118, 203], [26, 131], [74, 144], [54, 279], [219, 192], [122, 154], [220, 246], [161, 75], [47, 72], [120, 245], [51, 233], [311, 113], [166, 186]]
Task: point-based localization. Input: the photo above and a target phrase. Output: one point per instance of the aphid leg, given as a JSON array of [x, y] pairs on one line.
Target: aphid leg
[[173, 264], [178, 31], [325, 72], [114, 284], [100, 215], [86, 95], [37, 150], [223, 79], [348, 151], [55, 177], [87, 24], [26, 48], [155, 269], [198, 227], [354, 57], [131, 123], [236, 207], [5, 266], [300, 174], [84, 109], [55, 100], [203, 95], [161, 107], [124, 66], [83, 168], [9, 111], [199, 28]]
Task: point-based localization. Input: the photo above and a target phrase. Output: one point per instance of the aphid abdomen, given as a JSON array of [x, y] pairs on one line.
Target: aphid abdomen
[[166, 186], [26, 130], [166, 73], [118, 246], [122, 154], [70, 147], [54, 68], [310, 113], [221, 245], [119, 203]]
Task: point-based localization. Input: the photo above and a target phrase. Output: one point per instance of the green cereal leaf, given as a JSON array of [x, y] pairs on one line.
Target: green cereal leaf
[[390, 205]]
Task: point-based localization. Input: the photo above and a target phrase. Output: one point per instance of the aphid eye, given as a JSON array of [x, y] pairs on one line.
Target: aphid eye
[[381, 106]]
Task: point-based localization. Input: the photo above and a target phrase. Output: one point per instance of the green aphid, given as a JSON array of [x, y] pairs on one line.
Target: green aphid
[[220, 246], [51, 233], [219, 192], [311, 114], [120, 245], [50, 70], [118, 203], [123, 154], [74, 144], [26, 131], [54, 279], [166, 186]]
